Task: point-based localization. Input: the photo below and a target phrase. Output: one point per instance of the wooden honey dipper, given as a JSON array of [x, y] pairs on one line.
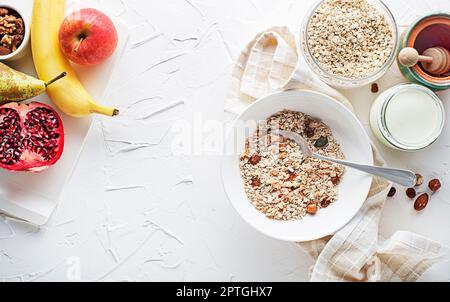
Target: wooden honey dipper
[[435, 61]]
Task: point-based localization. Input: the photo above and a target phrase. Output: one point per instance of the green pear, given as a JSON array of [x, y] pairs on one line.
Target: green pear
[[16, 86]]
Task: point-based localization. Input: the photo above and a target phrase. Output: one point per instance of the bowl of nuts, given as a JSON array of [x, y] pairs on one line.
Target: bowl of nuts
[[14, 33], [349, 43]]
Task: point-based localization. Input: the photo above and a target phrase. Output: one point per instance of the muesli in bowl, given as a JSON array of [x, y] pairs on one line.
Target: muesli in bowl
[[278, 181]]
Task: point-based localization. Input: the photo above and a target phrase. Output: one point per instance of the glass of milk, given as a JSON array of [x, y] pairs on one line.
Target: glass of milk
[[407, 117]]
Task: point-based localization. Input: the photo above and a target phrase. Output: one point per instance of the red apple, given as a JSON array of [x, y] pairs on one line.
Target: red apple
[[88, 37]]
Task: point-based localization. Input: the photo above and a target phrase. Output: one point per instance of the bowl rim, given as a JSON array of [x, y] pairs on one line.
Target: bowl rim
[[26, 37], [347, 82], [288, 238]]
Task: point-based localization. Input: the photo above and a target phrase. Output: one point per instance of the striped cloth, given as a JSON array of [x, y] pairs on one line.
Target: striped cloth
[[270, 63]]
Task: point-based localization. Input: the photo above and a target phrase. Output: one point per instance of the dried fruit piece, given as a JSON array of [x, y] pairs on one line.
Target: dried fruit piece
[[309, 132], [421, 202], [374, 88], [256, 182], [292, 176], [392, 192], [321, 142], [255, 159], [434, 185], [335, 180], [325, 203], [312, 208], [411, 193], [419, 180]]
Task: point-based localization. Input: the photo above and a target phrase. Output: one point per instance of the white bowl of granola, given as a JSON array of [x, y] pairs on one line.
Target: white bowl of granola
[[270, 184]]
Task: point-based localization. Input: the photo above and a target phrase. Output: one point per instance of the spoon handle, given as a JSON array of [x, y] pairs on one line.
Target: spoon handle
[[402, 177]]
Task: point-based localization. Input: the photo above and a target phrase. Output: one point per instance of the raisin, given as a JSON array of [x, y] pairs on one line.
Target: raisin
[[392, 192], [411, 193], [374, 88]]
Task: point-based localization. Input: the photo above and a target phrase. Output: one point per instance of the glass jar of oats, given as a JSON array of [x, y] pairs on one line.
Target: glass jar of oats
[[349, 43]]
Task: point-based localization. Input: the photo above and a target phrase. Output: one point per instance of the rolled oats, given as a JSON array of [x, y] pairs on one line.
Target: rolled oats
[[350, 38], [282, 184]]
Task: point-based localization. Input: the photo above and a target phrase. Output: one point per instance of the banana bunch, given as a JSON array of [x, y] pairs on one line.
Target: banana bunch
[[68, 93]]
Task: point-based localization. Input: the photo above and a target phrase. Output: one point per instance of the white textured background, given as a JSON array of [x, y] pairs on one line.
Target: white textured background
[[134, 211]]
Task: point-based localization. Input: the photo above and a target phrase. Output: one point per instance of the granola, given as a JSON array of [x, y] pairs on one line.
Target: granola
[[278, 181], [350, 38]]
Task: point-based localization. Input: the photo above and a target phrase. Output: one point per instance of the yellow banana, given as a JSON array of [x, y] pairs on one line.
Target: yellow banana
[[68, 93]]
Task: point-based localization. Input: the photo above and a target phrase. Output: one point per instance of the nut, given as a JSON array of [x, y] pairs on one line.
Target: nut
[[283, 155], [419, 180], [392, 192], [311, 208], [274, 172], [411, 193], [434, 185], [421, 202], [12, 31]]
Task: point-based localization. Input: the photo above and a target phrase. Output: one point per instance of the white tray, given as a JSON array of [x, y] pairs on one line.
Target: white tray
[[33, 197]]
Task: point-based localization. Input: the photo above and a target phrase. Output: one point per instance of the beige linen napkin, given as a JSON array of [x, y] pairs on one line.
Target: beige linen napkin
[[271, 62]]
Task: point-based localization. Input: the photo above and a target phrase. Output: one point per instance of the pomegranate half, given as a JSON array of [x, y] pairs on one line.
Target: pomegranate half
[[31, 137]]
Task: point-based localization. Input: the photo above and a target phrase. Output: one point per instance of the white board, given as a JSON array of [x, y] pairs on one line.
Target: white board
[[34, 197]]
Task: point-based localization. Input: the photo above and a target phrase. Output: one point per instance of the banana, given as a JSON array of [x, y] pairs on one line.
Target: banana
[[68, 94]]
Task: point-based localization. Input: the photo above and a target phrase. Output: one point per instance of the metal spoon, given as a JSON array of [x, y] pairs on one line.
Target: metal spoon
[[402, 177]]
